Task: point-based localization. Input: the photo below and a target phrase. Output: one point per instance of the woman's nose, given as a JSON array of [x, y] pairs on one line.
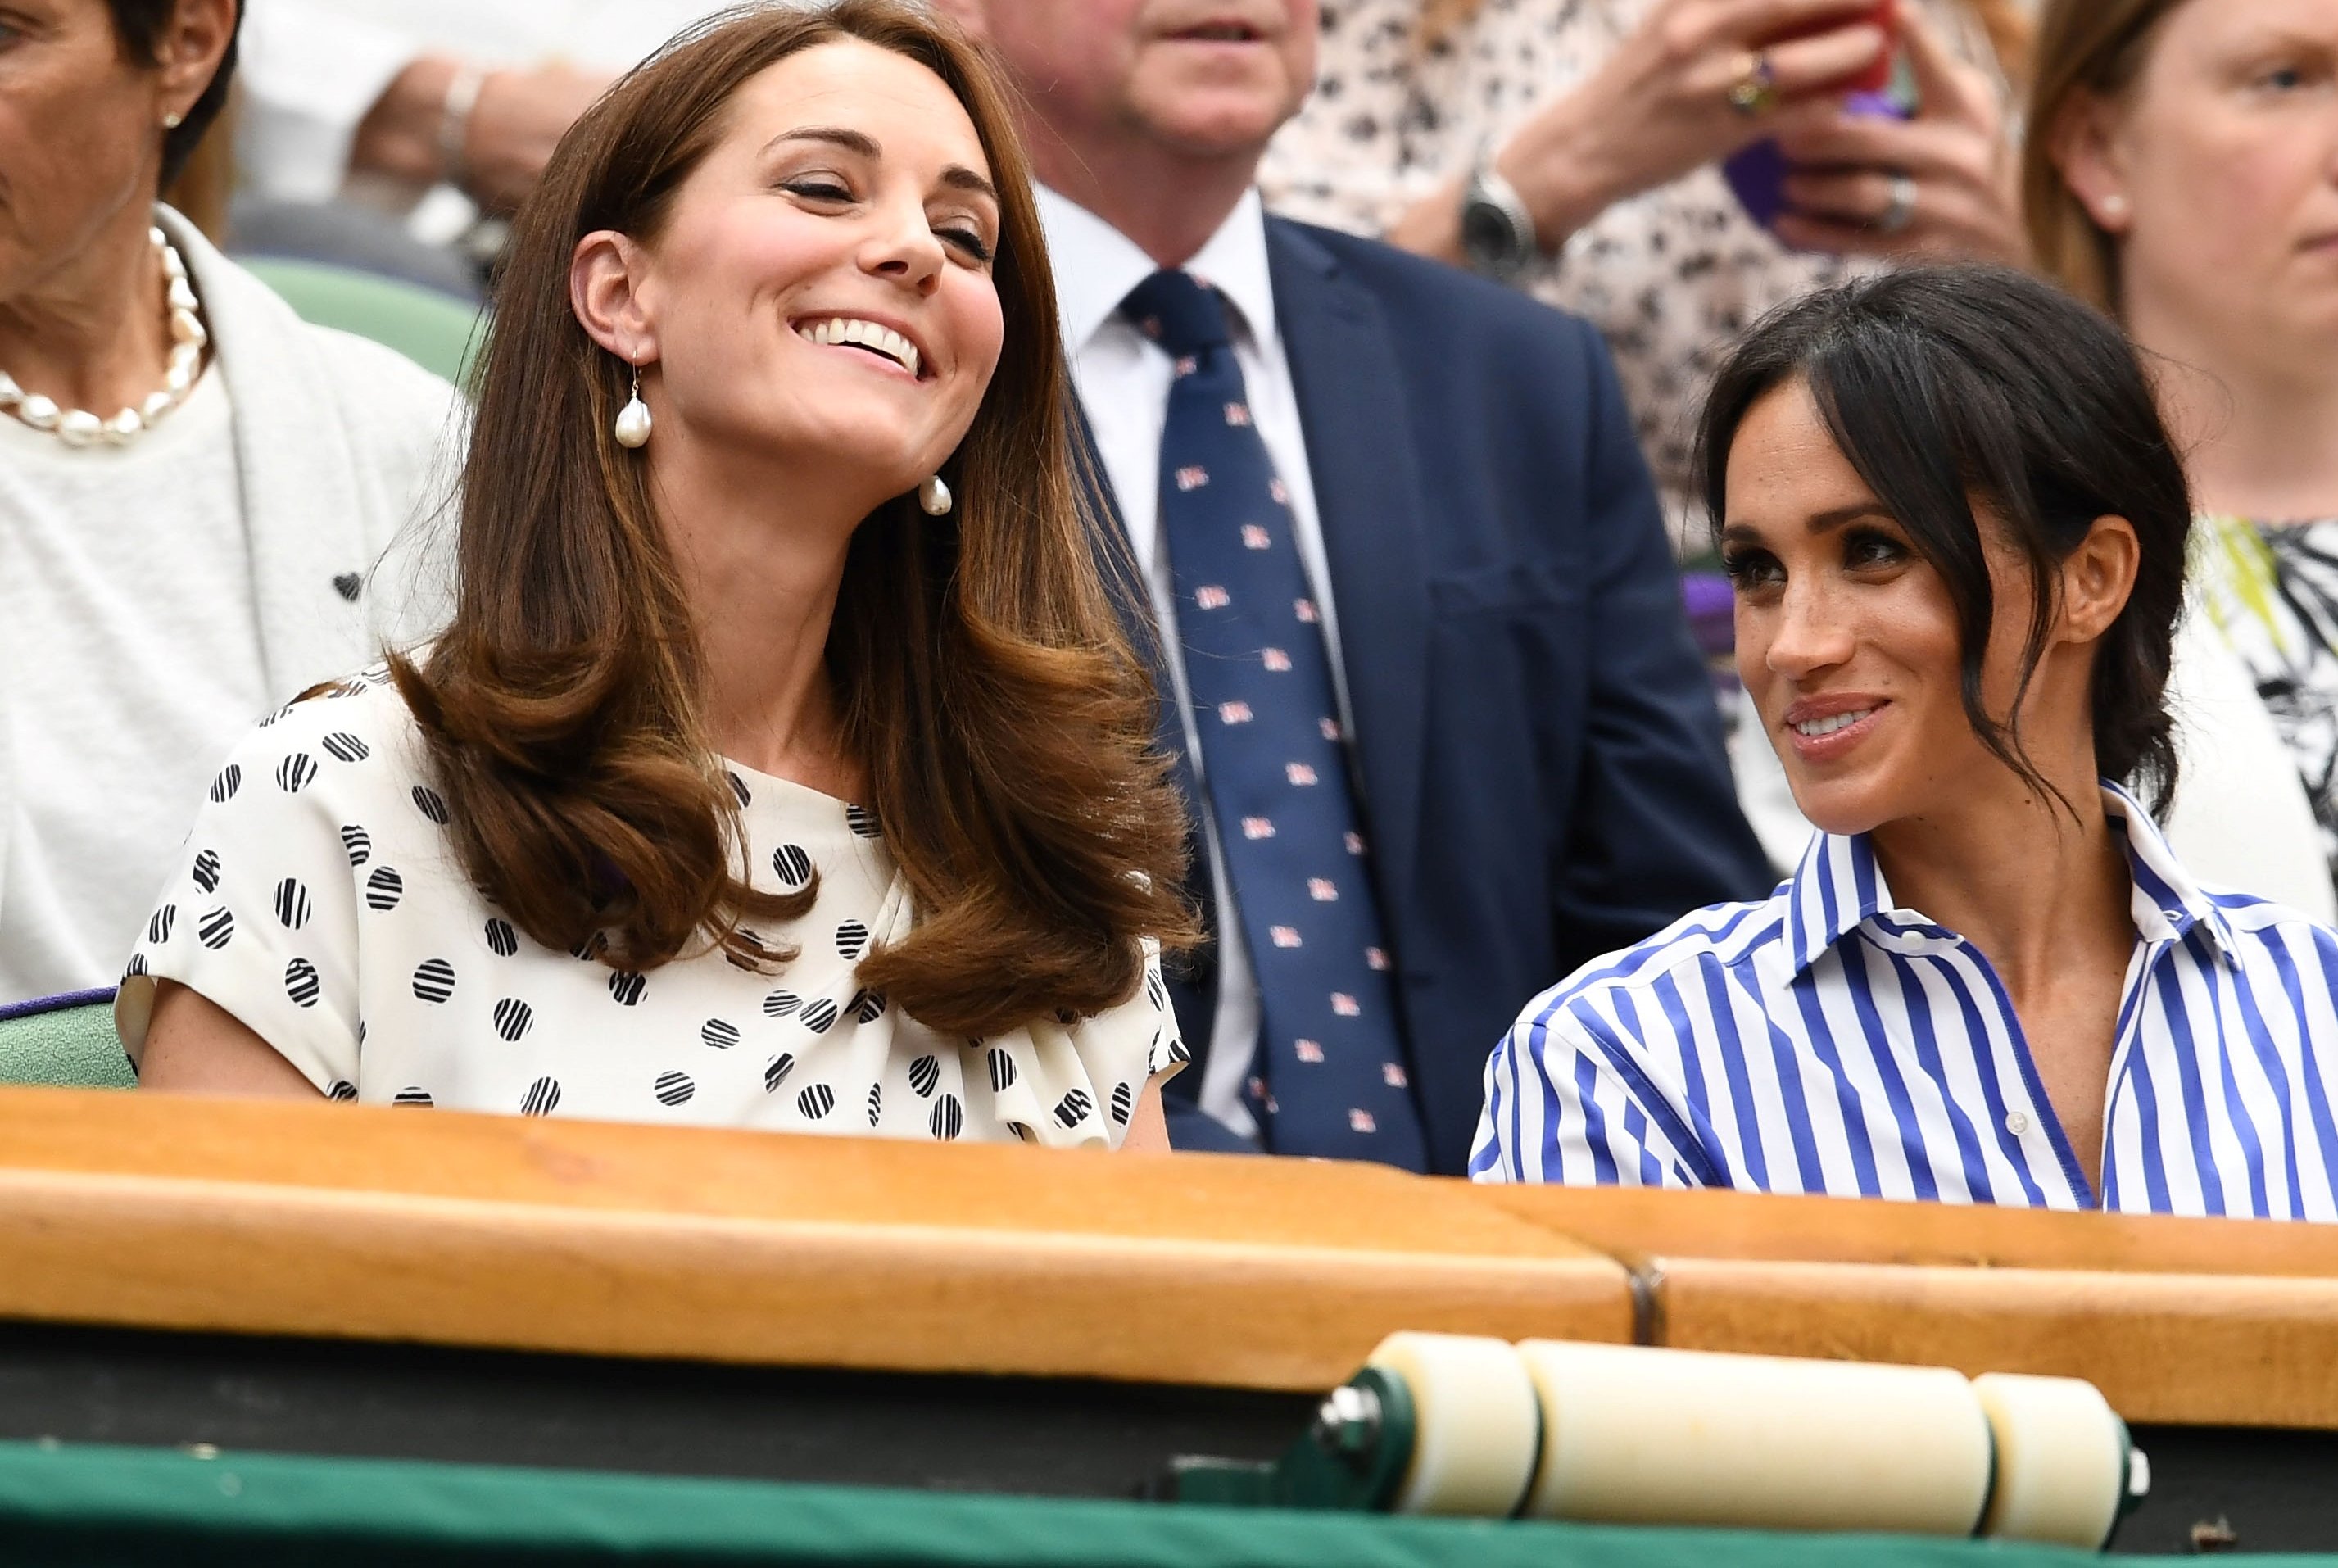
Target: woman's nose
[[902, 246], [1809, 633]]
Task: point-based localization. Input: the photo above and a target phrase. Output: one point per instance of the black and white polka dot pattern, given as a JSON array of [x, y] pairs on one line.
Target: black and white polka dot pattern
[[329, 910], [383, 888], [301, 983], [293, 906], [434, 980], [1671, 276]]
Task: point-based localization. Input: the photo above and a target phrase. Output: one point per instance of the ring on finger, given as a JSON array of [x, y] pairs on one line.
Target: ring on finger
[[1756, 86], [1901, 209]]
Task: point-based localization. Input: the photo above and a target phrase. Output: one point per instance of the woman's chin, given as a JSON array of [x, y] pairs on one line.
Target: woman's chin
[[1842, 807]]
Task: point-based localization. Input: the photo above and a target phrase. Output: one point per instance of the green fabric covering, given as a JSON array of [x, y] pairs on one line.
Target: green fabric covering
[[429, 329], [94, 1506], [72, 1048]]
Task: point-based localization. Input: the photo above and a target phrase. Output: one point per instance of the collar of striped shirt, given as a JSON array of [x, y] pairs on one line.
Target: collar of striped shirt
[[1823, 1040], [1838, 887]]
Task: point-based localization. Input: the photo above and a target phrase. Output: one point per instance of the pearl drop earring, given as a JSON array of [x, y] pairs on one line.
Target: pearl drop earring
[[633, 426], [934, 497]]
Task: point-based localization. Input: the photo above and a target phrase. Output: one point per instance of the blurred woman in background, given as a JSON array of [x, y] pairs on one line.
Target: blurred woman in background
[[193, 483], [2182, 174], [1600, 128], [770, 509]]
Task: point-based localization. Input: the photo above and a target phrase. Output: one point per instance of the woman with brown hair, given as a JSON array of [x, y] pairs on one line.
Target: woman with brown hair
[[2184, 175], [769, 509]]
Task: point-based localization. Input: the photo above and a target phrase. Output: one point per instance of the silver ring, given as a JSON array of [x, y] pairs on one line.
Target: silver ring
[[1902, 208]]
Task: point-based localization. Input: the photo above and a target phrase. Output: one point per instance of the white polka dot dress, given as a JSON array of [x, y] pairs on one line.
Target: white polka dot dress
[[319, 899]]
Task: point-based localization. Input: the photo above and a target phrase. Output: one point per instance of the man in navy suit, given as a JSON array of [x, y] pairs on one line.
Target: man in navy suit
[[1476, 674]]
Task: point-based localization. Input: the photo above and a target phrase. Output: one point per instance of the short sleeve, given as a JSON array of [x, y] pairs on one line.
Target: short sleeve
[[259, 913], [1076, 1086]]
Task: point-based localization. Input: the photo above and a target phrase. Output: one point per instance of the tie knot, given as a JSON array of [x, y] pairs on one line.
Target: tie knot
[[1179, 311]]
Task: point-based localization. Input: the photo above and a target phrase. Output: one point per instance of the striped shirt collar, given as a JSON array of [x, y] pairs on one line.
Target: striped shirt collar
[[1839, 888]]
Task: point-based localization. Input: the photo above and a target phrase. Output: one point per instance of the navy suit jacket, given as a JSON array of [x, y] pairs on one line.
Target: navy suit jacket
[[1539, 754]]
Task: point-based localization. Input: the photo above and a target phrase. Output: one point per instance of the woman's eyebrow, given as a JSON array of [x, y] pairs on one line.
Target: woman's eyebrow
[[835, 135], [958, 177], [1827, 522]]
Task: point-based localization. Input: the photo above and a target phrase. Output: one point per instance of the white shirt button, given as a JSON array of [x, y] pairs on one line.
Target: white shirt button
[[2016, 1122]]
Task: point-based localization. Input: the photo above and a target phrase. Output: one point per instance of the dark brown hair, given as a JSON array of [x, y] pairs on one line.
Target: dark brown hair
[[1942, 384], [2085, 47], [138, 34], [984, 683]]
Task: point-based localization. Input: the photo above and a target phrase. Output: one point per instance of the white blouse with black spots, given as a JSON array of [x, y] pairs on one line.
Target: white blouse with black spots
[[318, 900], [1671, 276]]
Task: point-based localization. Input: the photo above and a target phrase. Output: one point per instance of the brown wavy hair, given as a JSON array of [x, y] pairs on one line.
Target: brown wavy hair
[[2086, 48], [984, 683]]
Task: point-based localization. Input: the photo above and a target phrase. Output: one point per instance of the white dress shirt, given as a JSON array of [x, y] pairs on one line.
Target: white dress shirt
[[1123, 378]]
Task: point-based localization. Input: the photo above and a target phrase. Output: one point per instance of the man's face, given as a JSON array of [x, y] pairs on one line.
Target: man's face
[[1204, 78]]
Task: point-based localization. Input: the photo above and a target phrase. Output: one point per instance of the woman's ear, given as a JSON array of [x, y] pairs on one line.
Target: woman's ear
[[2096, 578], [187, 55], [2084, 145], [607, 282]]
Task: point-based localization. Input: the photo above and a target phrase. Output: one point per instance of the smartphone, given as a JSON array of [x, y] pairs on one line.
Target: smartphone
[[1875, 78], [1758, 174]]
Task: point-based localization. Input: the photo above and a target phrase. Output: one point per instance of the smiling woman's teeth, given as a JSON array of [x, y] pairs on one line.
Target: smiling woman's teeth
[[1812, 729], [848, 329]]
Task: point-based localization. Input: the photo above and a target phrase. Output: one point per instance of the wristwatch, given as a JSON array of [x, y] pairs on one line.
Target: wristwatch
[[1498, 233]]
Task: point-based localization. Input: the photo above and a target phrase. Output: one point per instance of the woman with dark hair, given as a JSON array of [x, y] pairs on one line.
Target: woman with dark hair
[[193, 483], [1956, 530], [770, 508]]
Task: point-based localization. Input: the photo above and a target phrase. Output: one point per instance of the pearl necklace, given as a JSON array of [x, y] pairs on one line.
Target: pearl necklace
[[78, 426]]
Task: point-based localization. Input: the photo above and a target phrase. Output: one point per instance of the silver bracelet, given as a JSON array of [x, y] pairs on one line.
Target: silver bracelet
[[455, 120]]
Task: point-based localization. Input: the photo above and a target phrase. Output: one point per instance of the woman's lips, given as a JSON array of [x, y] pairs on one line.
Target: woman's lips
[[1829, 735]]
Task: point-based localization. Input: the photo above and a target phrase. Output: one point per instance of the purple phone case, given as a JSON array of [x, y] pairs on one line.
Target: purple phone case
[[1758, 174]]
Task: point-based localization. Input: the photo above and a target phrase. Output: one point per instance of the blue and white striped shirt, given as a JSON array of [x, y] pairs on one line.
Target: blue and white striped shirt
[[1823, 1040]]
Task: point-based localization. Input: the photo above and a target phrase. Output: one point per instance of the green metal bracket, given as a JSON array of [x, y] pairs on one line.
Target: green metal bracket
[[1351, 1461]]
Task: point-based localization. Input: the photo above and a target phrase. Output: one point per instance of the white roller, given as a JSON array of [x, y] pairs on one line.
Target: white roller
[[1642, 1436], [1476, 1423], [2061, 1459]]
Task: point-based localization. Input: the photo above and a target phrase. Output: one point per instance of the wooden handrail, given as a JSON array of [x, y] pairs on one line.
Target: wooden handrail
[[343, 1220], [356, 1222]]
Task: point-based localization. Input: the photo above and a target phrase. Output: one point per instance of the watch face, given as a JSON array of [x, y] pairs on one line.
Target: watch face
[[1486, 234]]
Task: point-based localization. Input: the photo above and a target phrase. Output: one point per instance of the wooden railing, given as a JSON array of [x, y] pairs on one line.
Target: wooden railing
[[350, 1221]]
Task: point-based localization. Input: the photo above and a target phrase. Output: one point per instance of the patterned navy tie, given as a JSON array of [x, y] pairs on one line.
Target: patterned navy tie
[[1330, 1078]]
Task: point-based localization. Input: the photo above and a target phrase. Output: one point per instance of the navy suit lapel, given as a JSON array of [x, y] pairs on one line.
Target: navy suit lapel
[[1351, 407]]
